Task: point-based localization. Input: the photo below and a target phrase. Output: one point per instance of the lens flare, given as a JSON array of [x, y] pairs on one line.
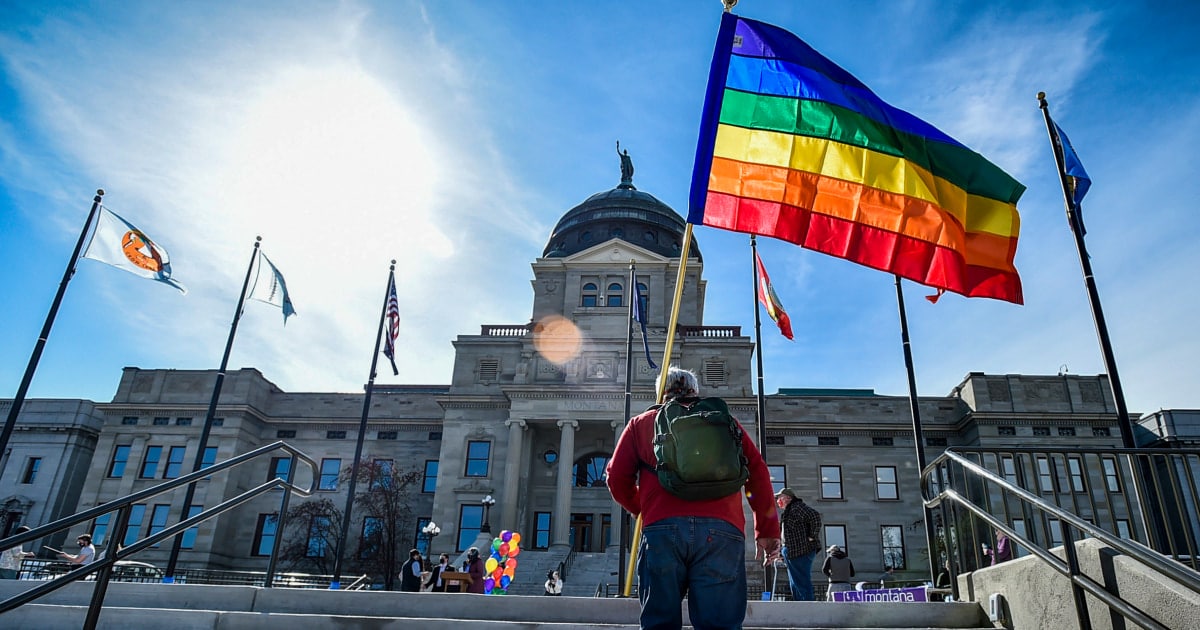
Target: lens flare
[[557, 339]]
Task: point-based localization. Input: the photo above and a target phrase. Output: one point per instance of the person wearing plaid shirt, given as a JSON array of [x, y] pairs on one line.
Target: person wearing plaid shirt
[[801, 542]]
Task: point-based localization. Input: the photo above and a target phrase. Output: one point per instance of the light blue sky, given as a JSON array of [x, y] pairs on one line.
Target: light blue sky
[[452, 135]]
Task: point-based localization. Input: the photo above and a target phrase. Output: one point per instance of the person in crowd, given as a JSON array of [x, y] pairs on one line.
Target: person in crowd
[[1003, 550], [801, 542], [11, 558], [693, 548], [87, 553], [554, 583], [410, 573], [888, 576], [839, 569], [475, 570], [435, 581]]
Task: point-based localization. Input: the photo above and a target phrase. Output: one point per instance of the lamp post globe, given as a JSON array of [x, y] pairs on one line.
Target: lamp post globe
[[487, 502]]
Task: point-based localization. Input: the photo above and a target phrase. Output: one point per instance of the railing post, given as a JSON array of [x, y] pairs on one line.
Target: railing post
[[105, 572], [279, 520]]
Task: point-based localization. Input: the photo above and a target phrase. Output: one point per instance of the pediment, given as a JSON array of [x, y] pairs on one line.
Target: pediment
[[614, 251]]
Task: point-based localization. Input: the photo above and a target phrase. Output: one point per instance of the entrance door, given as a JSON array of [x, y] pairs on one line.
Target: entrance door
[[581, 532]]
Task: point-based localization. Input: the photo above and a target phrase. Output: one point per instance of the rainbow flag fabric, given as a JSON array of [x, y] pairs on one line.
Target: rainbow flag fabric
[[794, 147]]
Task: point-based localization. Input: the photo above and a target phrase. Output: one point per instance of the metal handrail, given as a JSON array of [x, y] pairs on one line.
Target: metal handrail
[[103, 566], [936, 488]]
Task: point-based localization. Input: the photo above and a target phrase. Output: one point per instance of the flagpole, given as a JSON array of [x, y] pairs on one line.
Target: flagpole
[[762, 408], [1073, 216], [623, 531], [661, 385], [190, 493], [918, 434], [38, 347], [358, 447]]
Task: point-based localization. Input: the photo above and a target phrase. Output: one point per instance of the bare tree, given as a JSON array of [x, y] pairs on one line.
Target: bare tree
[[312, 536]]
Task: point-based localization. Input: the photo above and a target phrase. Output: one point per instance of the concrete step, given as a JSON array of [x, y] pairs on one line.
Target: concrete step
[[203, 607]]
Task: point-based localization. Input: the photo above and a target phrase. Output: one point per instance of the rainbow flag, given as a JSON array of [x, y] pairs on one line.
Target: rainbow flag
[[794, 147]]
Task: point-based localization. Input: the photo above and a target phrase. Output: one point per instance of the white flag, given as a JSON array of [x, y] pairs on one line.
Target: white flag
[[115, 241], [269, 287]]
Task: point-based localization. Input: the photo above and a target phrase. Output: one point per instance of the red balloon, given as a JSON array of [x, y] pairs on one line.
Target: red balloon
[[513, 552], [503, 549]]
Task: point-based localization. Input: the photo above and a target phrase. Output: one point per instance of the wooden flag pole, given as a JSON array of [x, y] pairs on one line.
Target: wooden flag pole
[[38, 347], [658, 394]]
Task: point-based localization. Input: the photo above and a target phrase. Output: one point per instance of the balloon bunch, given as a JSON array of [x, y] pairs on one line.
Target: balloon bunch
[[501, 567]]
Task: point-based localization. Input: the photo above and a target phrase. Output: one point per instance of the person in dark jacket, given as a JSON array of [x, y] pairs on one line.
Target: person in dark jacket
[[410, 573], [839, 569], [475, 570], [435, 583]]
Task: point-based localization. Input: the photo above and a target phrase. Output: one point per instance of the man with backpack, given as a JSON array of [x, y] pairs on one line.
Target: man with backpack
[[682, 467]]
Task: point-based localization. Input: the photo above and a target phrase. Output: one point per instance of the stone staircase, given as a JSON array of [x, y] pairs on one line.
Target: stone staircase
[[131, 606]]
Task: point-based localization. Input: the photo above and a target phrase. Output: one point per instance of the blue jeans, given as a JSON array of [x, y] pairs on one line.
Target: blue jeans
[[702, 558], [800, 576]]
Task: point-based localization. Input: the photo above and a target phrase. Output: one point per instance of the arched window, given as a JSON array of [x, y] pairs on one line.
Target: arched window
[[614, 295], [589, 295], [589, 471], [618, 233], [586, 237]]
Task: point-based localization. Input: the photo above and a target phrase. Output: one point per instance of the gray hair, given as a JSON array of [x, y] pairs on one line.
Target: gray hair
[[680, 383]]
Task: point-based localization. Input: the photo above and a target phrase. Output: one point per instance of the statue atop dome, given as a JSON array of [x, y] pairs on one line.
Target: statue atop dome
[[626, 168]]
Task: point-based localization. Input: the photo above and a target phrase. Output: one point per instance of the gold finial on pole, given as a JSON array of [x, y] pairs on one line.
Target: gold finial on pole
[[729, 4]]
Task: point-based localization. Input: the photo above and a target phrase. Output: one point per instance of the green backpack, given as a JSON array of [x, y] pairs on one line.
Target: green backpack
[[698, 448]]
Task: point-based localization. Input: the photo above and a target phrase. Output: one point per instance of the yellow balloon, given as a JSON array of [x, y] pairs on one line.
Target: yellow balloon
[[490, 565], [515, 540]]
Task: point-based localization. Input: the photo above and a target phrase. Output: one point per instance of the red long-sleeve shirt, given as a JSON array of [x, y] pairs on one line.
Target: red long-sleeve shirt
[[634, 484]]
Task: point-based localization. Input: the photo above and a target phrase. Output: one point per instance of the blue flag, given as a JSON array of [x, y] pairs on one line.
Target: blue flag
[[639, 316], [1080, 182]]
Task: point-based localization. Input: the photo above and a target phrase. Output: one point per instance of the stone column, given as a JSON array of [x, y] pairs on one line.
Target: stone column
[[614, 536], [512, 474], [562, 497]]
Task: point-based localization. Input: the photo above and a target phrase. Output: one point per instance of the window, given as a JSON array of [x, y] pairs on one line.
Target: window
[[386, 435], [421, 539], [892, 538], [318, 544], [335, 435], [470, 520], [836, 535], [1100, 432], [120, 457], [477, 458], [589, 471], [183, 422], [614, 295], [1123, 529], [1056, 536], [1008, 468], [935, 441], [137, 513], [882, 441], [31, 470], [127, 420], [1041, 431], [1006, 430], [188, 540], [541, 530], [161, 421], [264, 534], [329, 474], [1045, 481], [281, 468], [1075, 469], [828, 440], [886, 488], [589, 295], [429, 483], [382, 474], [778, 477], [1066, 431], [1112, 478], [158, 518], [150, 462], [606, 529], [174, 462], [100, 529], [210, 457], [435, 436], [371, 539], [1018, 525], [775, 440], [643, 299], [284, 434], [831, 482], [218, 422]]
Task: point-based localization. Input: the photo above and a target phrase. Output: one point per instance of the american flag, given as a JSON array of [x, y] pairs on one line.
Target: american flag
[[393, 324]]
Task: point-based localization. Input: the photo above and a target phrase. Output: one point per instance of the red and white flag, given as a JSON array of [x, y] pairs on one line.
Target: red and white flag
[[766, 295]]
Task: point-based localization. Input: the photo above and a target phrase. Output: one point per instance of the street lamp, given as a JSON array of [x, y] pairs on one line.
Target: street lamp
[[431, 530], [488, 502]]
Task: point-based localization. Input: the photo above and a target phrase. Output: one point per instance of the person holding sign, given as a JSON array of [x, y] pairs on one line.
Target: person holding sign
[[87, 553]]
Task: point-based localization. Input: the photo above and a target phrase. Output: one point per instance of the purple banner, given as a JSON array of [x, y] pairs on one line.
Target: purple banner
[[912, 594]]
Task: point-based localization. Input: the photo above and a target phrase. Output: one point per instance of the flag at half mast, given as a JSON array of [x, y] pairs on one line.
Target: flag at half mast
[[794, 147]]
